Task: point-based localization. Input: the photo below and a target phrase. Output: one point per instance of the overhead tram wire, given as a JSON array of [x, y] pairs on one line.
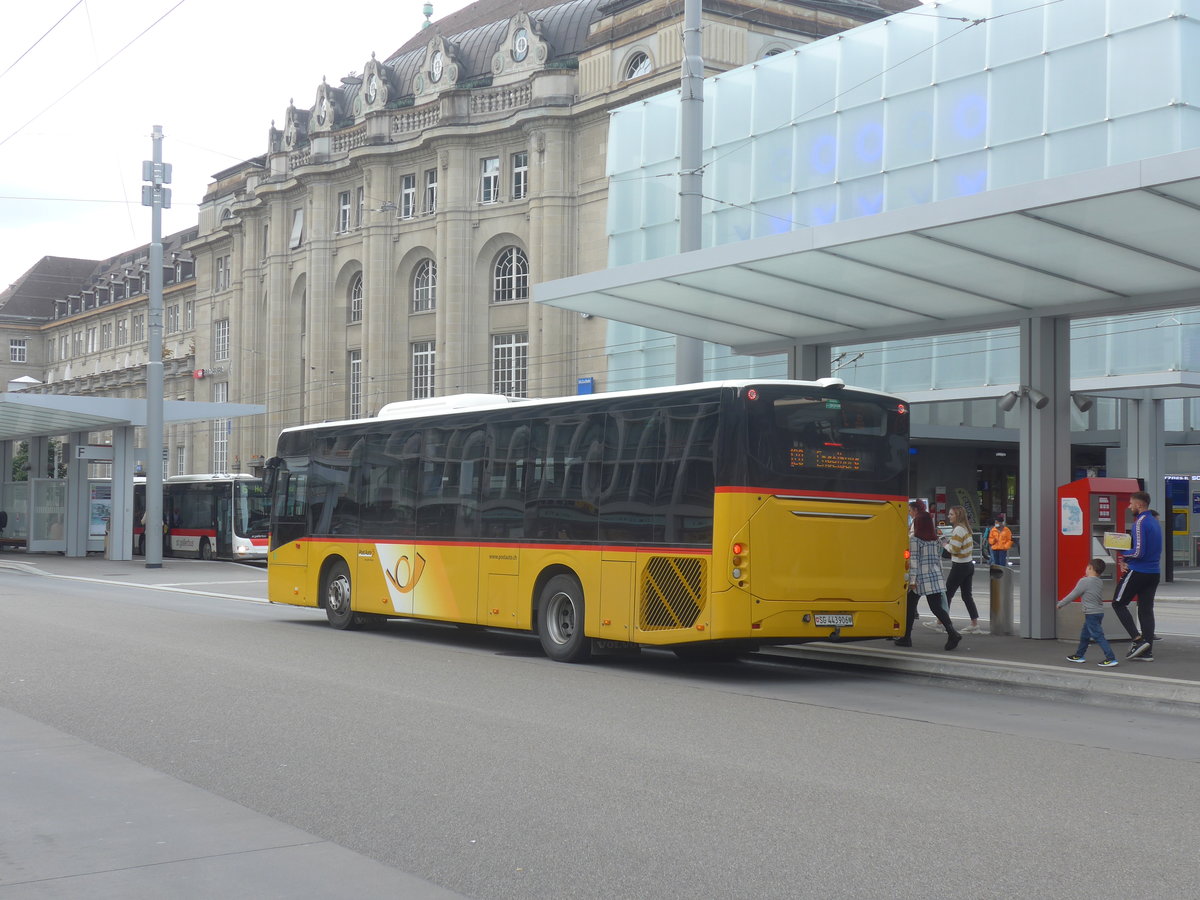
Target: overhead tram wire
[[42, 38], [88, 76]]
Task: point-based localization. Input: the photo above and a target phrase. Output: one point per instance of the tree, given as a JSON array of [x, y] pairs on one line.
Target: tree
[[55, 465]]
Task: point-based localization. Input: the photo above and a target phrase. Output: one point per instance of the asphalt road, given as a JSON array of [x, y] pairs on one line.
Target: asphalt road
[[466, 758]]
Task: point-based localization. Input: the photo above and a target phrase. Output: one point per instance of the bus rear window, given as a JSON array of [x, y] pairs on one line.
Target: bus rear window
[[826, 439], [829, 433]]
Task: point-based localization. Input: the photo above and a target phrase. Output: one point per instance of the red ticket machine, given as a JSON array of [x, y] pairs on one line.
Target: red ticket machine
[[1087, 510]]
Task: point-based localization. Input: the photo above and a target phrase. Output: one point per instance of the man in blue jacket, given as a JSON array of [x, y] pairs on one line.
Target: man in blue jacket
[[1139, 566]]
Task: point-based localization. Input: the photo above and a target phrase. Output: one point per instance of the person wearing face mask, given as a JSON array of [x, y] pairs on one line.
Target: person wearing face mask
[[1000, 540]]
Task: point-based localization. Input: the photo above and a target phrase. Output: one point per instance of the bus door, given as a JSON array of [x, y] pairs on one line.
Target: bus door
[[502, 522], [288, 557], [224, 522]]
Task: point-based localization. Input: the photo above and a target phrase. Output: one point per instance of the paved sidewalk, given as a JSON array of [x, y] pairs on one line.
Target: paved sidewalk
[[1015, 665], [1012, 664]]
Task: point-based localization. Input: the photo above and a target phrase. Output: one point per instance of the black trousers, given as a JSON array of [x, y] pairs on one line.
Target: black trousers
[[960, 576], [1138, 586], [936, 606]]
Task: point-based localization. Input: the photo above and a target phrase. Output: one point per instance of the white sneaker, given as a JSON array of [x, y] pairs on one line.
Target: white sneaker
[[934, 625], [970, 629]]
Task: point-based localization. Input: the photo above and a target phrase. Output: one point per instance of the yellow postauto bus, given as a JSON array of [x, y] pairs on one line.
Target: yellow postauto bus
[[709, 518]]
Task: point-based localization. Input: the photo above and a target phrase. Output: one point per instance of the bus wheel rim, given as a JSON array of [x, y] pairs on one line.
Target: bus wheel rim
[[339, 594], [561, 618]]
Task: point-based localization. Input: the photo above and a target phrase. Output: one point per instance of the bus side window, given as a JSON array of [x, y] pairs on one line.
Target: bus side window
[[687, 480], [502, 501], [437, 495], [472, 453], [346, 510], [290, 506], [627, 492]]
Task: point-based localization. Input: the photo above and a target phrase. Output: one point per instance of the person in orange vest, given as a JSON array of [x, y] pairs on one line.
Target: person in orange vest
[[1000, 541]]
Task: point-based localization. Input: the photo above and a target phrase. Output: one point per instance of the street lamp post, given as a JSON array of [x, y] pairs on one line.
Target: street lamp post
[[158, 198], [689, 352]]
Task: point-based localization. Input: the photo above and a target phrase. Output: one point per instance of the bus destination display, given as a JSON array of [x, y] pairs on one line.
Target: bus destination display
[[828, 457]]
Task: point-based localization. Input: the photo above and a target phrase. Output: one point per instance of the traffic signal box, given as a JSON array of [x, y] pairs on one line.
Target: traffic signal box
[[1088, 510]]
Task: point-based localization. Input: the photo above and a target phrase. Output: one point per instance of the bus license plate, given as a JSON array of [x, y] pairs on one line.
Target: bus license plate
[[838, 620]]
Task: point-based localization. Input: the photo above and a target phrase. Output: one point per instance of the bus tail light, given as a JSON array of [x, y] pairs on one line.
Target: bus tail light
[[737, 562]]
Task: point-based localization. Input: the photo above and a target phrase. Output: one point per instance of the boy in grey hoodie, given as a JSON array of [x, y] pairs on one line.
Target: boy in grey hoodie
[[1089, 590]]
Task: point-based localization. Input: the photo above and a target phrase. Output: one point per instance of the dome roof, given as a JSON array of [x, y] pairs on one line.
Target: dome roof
[[477, 32]]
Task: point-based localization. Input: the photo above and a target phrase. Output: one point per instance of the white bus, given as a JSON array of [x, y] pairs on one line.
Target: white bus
[[209, 517]]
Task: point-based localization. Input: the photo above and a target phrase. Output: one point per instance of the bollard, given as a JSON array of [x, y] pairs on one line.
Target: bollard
[[1002, 599]]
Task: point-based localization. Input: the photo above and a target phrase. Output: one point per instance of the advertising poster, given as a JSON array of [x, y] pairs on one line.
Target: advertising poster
[[100, 509]]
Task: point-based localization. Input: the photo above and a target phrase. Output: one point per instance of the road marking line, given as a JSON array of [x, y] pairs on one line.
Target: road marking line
[[186, 583], [34, 570]]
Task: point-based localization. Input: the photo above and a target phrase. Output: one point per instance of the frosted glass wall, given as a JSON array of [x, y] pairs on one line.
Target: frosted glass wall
[[918, 107], [1159, 341]]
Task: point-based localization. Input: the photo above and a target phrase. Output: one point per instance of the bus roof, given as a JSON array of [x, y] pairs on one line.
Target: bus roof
[[460, 403], [215, 476]]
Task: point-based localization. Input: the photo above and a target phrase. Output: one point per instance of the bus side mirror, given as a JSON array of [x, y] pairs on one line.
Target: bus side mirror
[[270, 472]]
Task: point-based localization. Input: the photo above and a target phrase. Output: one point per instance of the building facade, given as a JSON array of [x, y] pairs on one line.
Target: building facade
[[77, 326], [383, 246]]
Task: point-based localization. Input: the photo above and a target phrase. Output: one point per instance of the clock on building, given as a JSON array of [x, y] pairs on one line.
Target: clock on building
[[372, 88], [520, 47], [435, 69]]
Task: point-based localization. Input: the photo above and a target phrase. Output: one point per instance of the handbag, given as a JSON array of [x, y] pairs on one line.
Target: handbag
[[945, 553]]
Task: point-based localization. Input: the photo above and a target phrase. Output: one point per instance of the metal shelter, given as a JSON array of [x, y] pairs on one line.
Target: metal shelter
[[1109, 241], [38, 417]]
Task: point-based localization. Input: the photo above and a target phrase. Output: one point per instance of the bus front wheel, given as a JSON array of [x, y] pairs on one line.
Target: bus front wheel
[[336, 592], [560, 620]]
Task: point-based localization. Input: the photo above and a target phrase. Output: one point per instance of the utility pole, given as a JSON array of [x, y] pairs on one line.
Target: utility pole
[[158, 198], [689, 352]]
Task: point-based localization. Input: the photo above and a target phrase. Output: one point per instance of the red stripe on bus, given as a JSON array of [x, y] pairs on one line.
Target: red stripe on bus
[[193, 532], [687, 551]]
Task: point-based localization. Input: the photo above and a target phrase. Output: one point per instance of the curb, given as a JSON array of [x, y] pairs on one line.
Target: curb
[[1102, 688]]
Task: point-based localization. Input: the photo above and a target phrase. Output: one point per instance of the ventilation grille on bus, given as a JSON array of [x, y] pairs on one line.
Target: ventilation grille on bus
[[672, 592]]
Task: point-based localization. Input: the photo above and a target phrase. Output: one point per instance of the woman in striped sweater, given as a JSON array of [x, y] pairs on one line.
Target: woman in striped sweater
[[961, 545]]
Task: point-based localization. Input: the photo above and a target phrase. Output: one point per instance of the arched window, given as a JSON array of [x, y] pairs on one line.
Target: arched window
[[639, 64], [356, 299], [511, 281], [424, 297]]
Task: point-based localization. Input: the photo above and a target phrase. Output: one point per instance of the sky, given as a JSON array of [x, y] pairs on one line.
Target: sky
[[86, 81]]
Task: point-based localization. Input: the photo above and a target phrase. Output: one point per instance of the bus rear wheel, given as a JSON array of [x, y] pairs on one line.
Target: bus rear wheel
[[336, 591], [205, 549], [560, 620]]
